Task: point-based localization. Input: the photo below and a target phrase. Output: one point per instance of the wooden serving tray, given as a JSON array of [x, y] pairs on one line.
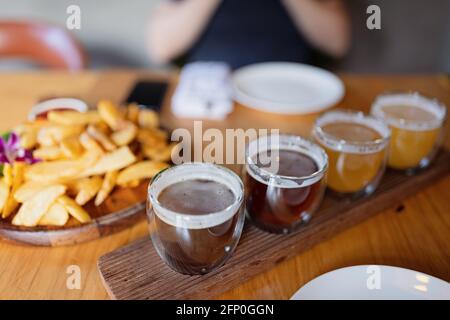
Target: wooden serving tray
[[137, 272], [123, 208]]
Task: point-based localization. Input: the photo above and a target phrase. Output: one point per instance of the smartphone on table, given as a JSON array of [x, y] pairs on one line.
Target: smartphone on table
[[148, 94]]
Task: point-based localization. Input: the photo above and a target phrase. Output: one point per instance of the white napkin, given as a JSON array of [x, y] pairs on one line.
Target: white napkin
[[204, 91]]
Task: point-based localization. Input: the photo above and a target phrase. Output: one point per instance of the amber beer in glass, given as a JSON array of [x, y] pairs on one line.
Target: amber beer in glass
[[195, 215], [416, 124], [356, 145], [284, 190]]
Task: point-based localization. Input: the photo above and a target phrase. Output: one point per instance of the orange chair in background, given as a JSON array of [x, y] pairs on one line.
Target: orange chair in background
[[48, 45]]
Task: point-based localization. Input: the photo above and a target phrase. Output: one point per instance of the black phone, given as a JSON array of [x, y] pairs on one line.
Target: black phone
[[149, 94]]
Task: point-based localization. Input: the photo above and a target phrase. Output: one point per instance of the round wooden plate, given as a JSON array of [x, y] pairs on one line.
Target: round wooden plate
[[123, 208]]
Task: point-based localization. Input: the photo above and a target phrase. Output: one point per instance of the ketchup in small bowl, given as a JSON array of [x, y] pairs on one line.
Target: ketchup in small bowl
[[40, 110]]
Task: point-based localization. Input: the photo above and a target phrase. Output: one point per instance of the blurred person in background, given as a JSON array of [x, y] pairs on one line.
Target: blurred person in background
[[242, 32]]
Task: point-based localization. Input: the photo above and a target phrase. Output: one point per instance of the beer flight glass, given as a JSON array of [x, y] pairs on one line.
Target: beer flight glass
[[283, 191], [356, 145], [416, 124], [195, 216]]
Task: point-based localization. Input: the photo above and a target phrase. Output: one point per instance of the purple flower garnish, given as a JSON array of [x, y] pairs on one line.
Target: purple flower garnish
[[11, 151]]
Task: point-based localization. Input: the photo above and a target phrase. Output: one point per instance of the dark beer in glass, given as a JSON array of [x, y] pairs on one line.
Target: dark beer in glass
[[285, 178], [196, 217]]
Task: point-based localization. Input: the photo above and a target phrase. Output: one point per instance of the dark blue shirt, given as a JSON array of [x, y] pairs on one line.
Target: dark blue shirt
[[243, 32]]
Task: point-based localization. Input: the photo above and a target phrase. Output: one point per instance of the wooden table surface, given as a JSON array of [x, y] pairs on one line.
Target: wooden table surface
[[416, 237]]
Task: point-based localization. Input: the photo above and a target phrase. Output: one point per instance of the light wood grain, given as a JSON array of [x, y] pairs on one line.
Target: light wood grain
[[417, 238]]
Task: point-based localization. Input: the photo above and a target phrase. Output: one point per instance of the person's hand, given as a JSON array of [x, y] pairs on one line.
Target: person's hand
[[324, 23], [174, 26]]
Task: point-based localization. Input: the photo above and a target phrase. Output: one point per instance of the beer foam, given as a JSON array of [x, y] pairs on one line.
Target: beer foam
[[356, 147], [432, 106], [191, 171], [288, 143]]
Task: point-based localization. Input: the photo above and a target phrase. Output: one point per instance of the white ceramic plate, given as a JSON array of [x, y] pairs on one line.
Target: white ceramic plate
[[286, 88], [372, 282]]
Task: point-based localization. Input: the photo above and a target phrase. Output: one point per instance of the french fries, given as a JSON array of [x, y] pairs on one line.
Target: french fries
[[151, 137], [8, 174], [90, 144], [51, 135], [71, 147], [11, 203], [130, 184], [74, 209], [71, 118], [31, 126], [101, 138], [148, 119], [140, 170], [28, 139], [115, 160], [28, 132], [44, 138], [56, 215], [60, 170], [34, 208], [49, 153], [103, 127], [108, 184], [159, 152], [28, 189], [88, 188], [4, 194], [109, 114], [133, 113], [82, 157], [125, 135]]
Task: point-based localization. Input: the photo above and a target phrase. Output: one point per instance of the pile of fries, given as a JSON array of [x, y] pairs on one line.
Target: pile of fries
[[83, 156]]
